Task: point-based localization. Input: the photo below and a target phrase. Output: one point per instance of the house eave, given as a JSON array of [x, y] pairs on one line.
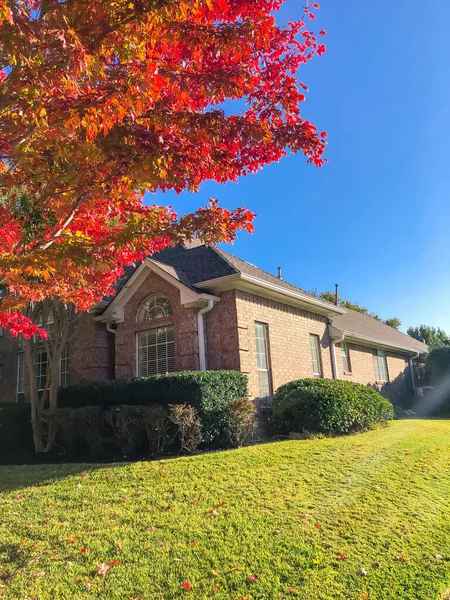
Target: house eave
[[275, 292], [357, 339]]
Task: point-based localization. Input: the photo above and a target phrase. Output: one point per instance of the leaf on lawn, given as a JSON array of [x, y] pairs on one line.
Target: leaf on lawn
[[186, 586], [83, 550], [18, 497], [124, 498], [223, 503], [214, 588], [292, 592], [210, 476], [194, 502], [439, 557], [318, 526], [169, 507], [82, 474], [407, 453], [342, 556], [72, 539], [164, 474], [193, 543], [253, 578], [214, 512], [400, 558], [151, 528], [363, 571], [104, 568]]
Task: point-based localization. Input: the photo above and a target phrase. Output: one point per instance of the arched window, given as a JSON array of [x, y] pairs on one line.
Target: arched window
[[156, 306]]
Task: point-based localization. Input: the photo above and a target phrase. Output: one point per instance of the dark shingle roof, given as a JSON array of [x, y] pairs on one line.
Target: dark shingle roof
[[193, 264], [361, 325], [242, 266]]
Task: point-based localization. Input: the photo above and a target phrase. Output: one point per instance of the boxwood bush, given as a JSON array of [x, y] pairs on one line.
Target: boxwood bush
[[328, 406], [208, 392], [16, 438]]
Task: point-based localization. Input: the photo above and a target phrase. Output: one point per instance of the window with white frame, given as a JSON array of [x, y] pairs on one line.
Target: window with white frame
[[347, 366], [315, 355], [380, 365], [156, 306], [41, 368], [20, 389], [49, 325], [156, 351], [262, 360], [64, 372]]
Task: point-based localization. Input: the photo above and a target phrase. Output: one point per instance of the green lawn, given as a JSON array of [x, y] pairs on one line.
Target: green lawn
[[280, 520]]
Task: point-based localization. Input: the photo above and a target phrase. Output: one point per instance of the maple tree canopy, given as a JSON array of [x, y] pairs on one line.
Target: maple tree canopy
[[103, 101]]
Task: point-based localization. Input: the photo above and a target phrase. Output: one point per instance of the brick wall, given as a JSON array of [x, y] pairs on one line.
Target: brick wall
[[289, 332], [222, 341], [90, 357], [363, 370], [184, 319]]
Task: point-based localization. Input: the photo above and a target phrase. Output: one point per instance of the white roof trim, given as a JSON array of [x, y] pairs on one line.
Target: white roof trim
[[336, 333], [227, 282], [115, 310]]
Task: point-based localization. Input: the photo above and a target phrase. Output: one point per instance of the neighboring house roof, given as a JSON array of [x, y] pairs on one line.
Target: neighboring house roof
[[196, 266], [362, 327]]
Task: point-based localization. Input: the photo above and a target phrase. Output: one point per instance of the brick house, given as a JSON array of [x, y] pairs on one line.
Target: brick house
[[196, 307]]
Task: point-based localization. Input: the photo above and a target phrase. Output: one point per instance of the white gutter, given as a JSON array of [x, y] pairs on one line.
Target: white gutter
[[333, 355], [109, 327], [201, 334]]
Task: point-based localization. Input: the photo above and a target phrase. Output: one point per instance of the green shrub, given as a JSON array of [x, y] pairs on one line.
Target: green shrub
[[207, 391], [160, 430], [127, 428], [240, 415], [188, 424], [328, 406], [82, 430], [16, 438]]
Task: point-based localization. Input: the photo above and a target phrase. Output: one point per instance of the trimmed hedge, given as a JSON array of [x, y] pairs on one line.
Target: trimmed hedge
[[328, 406], [16, 437], [207, 391]]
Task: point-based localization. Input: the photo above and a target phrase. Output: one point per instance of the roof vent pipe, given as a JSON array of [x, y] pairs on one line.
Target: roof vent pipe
[[336, 294], [280, 276]]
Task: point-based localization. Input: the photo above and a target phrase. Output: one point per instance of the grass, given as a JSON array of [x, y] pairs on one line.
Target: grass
[[263, 522]]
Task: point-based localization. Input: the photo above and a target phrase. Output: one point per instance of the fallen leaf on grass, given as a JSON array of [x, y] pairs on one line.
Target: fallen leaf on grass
[[83, 550], [104, 568], [214, 512], [342, 557], [72, 539], [82, 474], [318, 526], [439, 557], [164, 474], [151, 528], [363, 571], [253, 578], [186, 586], [400, 558]]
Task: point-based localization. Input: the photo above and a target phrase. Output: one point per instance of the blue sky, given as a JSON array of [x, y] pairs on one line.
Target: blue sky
[[376, 218]]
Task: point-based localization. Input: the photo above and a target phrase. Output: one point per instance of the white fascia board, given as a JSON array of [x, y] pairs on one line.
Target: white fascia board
[[259, 287], [360, 340], [115, 310]]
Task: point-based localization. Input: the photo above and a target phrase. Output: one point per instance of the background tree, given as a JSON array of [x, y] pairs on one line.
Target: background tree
[[432, 336], [330, 297], [101, 102]]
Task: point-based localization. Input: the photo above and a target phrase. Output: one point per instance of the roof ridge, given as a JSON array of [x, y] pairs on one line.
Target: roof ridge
[[275, 277]]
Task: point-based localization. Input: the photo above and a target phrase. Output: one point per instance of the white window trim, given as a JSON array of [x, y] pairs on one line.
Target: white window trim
[[377, 355], [319, 357], [20, 356], [139, 315], [267, 356], [139, 333], [345, 351]]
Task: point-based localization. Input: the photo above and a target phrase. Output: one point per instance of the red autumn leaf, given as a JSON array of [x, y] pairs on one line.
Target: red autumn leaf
[[342, 557], [124, 498], [186, 586], [323, 32], [169, 507], [400, 558], [407, 453], [223, 503], [164, 474], [83, 474], [83, 550], [253, 578], [318, 526], [323, 134], [18, 497], [193, 543], [316, 6]]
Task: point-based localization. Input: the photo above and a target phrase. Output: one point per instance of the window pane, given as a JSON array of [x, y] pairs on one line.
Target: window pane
[[262, 360], [315, 355], [345, 358], [156, 351], [20, 373], [64, 372]]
